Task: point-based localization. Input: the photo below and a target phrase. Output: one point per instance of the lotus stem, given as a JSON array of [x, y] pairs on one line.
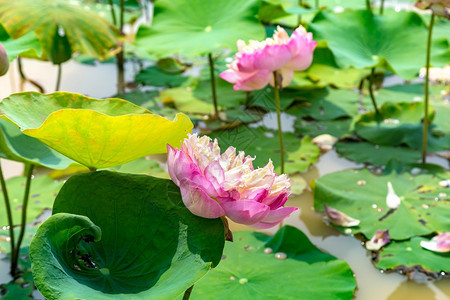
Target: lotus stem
[[120, 55], [381, 7], [23, 223], [317, 4], [113, 12], [276, 91], [372, 96], [368, 6], [10, 222], [58, 78], [427, 86], [188, 292], [25, 79], [213, 85]]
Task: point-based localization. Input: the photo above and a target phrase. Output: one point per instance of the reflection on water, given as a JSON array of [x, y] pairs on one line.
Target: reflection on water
[[372, 284]]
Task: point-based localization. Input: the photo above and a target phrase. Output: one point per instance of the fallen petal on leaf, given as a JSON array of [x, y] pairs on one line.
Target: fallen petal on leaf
[[325, 142], [380, 238], [339, 218], [439, 243]]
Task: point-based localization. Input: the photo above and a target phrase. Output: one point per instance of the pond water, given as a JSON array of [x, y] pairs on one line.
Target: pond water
[[100, 81]]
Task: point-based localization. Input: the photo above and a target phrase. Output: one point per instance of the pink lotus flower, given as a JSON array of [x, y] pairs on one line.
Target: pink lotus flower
[[215, 185], [4, 63], [255, 63]]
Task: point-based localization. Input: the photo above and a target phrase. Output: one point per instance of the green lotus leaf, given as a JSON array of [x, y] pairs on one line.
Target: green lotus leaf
[[95, 133], [27, 45], [325, 104], [376, 41], [406, 256], [401, 125], [337, 128], [122, 236], [42, 193], [30, 231], [264, 144], [361, 195], [153, 76], [197, 99], [200, 27], [375, 154], [247, 272], [21, 288], [14, 145], [63, 28], [415, 93], [325, 71], [264, 98]]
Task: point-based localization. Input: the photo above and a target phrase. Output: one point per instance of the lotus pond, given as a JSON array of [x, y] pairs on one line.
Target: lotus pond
[[189, 149]]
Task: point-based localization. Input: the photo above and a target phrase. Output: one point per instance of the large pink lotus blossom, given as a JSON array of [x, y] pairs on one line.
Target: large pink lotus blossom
[[215, 185], [255, 63], [4, 64]]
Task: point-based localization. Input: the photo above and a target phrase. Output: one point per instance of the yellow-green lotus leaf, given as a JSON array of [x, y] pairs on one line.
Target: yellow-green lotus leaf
[[96, 133]]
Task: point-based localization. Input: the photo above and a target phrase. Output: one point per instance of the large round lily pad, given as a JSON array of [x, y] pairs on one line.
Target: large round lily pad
[[43, 191], [122, 236], [247, 272], [424, 204], [375, 154], [27, 45], [199, 27], [61, 26], [376, 41], [96, 133]]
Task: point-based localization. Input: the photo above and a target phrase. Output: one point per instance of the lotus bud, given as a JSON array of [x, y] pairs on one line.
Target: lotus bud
[[4, 63], [392, 200]]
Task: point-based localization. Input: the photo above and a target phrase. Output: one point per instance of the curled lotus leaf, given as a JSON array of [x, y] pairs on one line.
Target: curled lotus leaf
[[122, 236], [97, 133]]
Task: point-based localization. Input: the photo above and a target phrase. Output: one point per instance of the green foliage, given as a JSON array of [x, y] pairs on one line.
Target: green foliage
[[62, 28], [200, 27], [247, 272], [122, 235], [362, 195], [264, 144], [43, 192], [376, 41]]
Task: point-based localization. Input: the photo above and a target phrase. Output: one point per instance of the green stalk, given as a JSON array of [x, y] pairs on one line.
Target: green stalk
[[120, 55], [368, 6], [23, 222], [25, 79], [276, 91], [381, 7], [187, 293], [317, 4], [427, 85], [213, 86], [58, 78], [113, 12], [372, 96], [10, 221]]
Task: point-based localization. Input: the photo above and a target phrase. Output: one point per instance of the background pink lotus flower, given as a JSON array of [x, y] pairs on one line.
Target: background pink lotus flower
[[215, 185], [255, 63], [4, 63]]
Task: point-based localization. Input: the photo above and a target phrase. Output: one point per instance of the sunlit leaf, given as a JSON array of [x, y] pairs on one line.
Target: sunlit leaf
[[248, 270], [27, 45], [144, 243], [96, 133], [59, 25], [200, 27]]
